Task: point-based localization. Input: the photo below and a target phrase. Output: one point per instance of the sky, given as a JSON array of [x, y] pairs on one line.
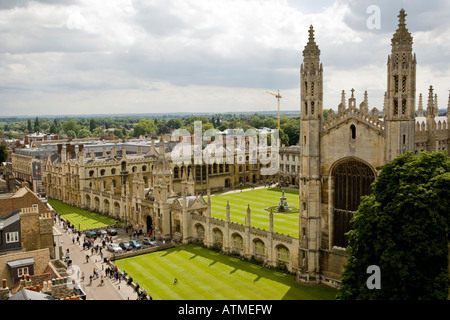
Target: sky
[[73, 57]]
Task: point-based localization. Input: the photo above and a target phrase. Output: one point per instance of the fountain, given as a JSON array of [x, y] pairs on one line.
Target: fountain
[[282, 206]]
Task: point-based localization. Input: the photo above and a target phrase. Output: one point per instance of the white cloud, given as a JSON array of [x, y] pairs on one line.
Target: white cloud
[[177, 55]]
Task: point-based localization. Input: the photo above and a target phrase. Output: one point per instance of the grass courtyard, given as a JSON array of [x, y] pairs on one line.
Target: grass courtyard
[[258, 199], [80, 218], [207, 275]]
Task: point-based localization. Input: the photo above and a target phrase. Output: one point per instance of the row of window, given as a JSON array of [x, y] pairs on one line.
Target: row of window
[[114, 171]]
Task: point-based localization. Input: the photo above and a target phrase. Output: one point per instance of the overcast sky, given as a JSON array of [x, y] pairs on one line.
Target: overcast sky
[[147, 56]]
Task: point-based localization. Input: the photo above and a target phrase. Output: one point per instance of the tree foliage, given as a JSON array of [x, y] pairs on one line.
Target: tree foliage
[[402, 227], [3, 152]]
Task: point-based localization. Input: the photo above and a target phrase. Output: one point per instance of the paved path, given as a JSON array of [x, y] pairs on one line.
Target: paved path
[[111, 288]]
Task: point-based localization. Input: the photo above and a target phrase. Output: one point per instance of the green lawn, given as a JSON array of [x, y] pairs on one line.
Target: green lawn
[[258, 199], [207, 275], [79, 217]]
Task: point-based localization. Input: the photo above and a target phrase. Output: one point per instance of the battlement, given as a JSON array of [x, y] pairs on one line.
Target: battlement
[[370, 119]]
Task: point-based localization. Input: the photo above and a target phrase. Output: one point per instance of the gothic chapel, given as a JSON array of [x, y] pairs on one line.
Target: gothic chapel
[[339, 156]]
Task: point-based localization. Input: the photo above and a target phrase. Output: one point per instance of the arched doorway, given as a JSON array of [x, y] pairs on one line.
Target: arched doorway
[[352, 180], [150, 227]]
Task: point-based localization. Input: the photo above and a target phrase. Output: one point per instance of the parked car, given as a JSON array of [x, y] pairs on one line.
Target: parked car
[[112, 231], [135, 244], [101, 232], [149, 241], [114, 247], [91, 234], [125, 245]]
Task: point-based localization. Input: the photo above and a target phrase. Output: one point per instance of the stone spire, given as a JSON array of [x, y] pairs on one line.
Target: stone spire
[[420, 108], [311, 49], [402, 39], [430, 105], [342, 106], [436, 107], [352, 100], [364, 106], [448, 107]]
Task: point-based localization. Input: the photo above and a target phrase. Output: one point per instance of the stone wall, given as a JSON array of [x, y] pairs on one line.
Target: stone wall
[[41, 260]]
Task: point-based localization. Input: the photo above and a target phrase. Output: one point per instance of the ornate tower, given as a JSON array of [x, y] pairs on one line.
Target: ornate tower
[[311, 96], [401, 91]]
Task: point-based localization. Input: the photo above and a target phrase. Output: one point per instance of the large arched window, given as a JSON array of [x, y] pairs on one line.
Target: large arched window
[[352, 180]]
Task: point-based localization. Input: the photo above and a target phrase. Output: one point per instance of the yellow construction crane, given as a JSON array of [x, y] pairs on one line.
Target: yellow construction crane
[[278, 96]]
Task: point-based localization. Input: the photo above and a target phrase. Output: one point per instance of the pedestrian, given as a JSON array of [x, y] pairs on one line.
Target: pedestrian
[[78, 274], [82, 276], [90, 280], [73, 240], [87, 258], [101, 280], [175, 281]]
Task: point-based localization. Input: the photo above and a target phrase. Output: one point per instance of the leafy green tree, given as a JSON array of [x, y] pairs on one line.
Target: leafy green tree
[[255, 122], [284, 137], [71, 134], [118, 133], [92, 125], [54, 128], [37, 127], [3, 153], [145, 127], [402, 227], [292, 129], [29, 126], [175, 123], [70, 125], [84, 133], [98, 131]]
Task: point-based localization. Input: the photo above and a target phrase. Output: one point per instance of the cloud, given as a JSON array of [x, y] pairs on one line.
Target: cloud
[[97, 55]]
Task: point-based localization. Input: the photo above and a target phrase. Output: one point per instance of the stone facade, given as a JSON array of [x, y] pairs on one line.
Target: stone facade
[[140, 187], [339, 156]]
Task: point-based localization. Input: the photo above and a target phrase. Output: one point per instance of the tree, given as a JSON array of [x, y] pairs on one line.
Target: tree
[[164, 130], [84, 133], [29, 126], [37, 127], [98, 132], [54, 128], [145, 127], [175, 123], [402, 227], [118, 133], [92, 125], [284, 137], [70, 125], [3, 153], [71, 134], [292, 129]]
